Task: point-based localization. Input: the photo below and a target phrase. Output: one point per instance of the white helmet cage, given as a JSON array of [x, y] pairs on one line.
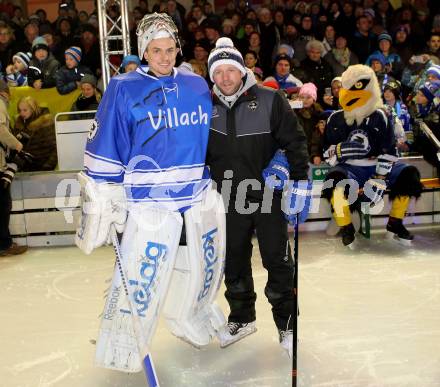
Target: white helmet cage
[[150, 25]]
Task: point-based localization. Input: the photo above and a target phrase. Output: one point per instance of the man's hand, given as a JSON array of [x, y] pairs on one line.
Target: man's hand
[[298, 200], [277, 173]]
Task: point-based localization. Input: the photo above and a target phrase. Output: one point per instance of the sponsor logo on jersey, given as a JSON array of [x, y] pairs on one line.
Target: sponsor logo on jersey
[[171, 118]]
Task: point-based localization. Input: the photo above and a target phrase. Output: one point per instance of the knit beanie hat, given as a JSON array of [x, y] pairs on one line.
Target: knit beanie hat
[[130, 59], [39, 42], [310, 90], [434, 70], [225, 53], [394, 86], [288, 48], [75, 52], [430, 89], [89, 78], [385, 36], [257, 71], [272, 83], [282, 57], [23, 57], [336, 79], [380, 58]]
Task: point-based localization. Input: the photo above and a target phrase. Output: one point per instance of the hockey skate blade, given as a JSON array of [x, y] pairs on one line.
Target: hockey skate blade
[[239, 339], [353, 245], [393, 237]]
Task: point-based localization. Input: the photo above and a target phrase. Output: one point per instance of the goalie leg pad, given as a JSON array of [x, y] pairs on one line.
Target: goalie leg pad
[[190, 311], [149, 248]]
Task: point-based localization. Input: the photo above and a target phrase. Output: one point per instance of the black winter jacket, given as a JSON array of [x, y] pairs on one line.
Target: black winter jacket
[[66, 78], [44, 70], [245, 137]]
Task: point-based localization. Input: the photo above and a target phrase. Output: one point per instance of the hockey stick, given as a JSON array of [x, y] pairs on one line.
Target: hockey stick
[[295, 306], [431, 136], [147, 362]]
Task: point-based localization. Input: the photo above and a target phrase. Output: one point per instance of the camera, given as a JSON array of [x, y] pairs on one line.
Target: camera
[[8, 175], [296, 104]]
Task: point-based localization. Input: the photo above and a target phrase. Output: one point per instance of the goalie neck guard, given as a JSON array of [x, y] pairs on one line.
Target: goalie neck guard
[[154, 26]]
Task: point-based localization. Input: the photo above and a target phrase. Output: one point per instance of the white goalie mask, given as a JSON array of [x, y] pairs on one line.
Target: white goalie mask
[[154, 26]]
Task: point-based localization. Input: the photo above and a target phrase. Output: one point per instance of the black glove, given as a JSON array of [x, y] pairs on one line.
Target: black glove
[[21, 159], [23, 137]]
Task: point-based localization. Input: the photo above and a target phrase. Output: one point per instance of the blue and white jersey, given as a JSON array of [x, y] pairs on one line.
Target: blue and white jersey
[[151, 134], [375, 129]]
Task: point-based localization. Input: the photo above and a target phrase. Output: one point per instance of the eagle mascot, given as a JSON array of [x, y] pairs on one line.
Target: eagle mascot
[[360, 146]]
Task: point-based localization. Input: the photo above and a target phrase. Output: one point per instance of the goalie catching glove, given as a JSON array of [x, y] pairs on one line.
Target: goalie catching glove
[[103, 204]]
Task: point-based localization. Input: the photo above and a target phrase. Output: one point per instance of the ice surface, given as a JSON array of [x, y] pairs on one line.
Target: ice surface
[[368, 318]]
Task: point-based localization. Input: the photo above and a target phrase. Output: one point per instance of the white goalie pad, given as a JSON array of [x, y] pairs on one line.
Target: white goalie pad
[[190, 311], [148, 251]]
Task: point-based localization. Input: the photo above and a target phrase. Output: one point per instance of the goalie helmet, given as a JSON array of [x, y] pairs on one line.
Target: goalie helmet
[[154, 26]]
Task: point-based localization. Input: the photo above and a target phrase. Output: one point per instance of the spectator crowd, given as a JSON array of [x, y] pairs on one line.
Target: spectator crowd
[[298, 47]]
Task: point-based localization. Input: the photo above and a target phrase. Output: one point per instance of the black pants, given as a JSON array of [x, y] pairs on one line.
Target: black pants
[[271, 230], [5, 214]]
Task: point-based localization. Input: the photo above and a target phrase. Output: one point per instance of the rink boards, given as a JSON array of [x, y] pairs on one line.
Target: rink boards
[[46, 210]]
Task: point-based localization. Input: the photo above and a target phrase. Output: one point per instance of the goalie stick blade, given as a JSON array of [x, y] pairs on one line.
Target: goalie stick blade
[[150, 372]]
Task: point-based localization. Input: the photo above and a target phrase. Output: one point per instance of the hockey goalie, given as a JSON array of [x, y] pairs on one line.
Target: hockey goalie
[[144, 182]]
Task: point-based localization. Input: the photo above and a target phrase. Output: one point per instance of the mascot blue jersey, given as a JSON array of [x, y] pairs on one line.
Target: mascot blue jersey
[[151, 134], [375, 129]]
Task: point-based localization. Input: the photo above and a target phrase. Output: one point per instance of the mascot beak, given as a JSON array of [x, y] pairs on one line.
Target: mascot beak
[[353, 99]]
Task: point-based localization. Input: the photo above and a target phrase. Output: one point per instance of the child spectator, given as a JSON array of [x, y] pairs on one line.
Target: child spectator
[[317, 140], [69, 76], [43, 65], [38, 124], [16, 73], [308, 117], [423, 108], [89, 98], [130, 63], [433, 73], [393, 98], [385, 42], [331, 99]]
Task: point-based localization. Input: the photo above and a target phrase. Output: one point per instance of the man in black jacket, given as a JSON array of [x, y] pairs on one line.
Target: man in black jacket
[[249, 124]]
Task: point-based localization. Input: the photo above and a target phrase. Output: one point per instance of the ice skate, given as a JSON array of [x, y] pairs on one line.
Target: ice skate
[[347, 234], [234, 331], [286, 341], [398, 232]]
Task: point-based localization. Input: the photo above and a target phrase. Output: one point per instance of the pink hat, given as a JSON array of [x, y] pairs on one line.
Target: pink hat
[[309, 89]]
